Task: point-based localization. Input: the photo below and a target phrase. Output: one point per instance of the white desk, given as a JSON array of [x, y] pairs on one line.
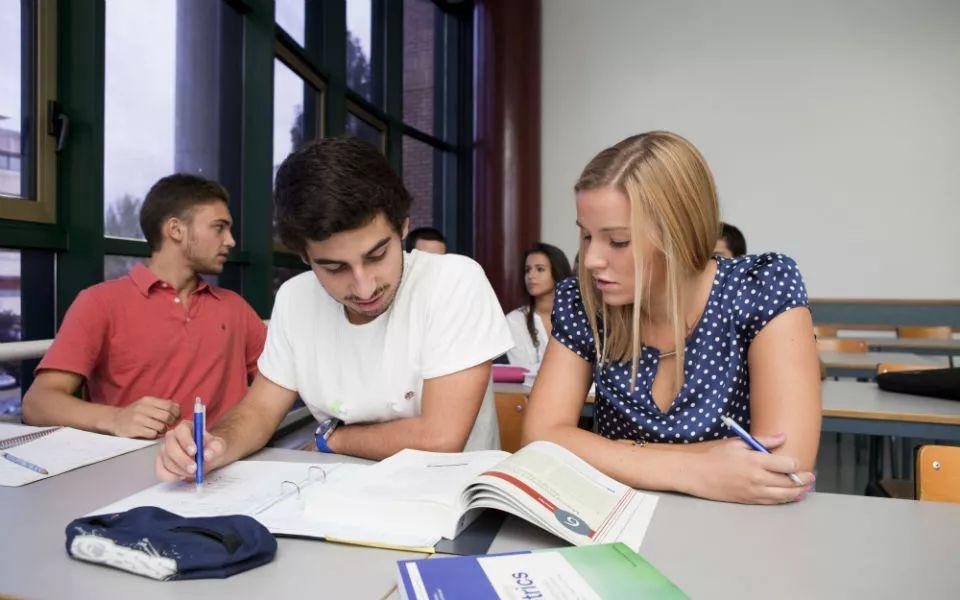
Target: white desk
[[34, 562], [859, 407], [827, 546]]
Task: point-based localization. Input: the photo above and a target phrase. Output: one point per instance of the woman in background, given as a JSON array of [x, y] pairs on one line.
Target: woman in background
[[675, 339], [543, 267]]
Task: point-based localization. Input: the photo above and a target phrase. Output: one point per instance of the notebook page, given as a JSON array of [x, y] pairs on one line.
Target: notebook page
[[62, 451], [239, 488]]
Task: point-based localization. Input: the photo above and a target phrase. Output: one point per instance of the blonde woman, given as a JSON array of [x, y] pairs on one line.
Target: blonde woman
[[674, 339]]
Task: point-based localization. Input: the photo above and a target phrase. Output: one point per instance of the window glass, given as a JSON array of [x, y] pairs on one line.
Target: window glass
[[294, 100], [10, 331], [359, 47], [174, 119], [16, 99], [418, 171], [357, 127], [291, 17], [419, 45]]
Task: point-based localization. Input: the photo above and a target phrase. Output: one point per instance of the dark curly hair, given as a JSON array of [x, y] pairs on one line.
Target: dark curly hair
[[334, 185]]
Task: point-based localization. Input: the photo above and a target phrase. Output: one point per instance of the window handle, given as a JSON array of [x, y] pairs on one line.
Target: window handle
[[59, 124]]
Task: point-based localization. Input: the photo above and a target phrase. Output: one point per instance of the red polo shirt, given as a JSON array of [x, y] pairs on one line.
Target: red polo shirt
[[131, 337]]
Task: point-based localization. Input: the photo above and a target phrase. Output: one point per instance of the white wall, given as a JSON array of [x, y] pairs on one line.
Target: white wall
[[832, 127]]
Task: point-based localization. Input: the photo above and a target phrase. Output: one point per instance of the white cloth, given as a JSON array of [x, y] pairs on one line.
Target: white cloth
[[444, 318], [524, 353]]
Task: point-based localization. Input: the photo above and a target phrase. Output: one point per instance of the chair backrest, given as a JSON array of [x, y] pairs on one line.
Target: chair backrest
[[934, 333], [896, 367], [938, 473], [838, 345], [822, 331]]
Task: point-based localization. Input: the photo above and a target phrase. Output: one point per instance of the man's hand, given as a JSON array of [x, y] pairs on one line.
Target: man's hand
[[146, 418], [176, 460]]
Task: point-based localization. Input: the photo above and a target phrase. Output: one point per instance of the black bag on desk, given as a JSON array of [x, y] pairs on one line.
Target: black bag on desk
[[939, 383], [152, 542]]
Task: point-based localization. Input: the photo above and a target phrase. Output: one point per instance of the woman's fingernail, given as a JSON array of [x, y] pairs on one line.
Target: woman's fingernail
[[192, 468], [813, 478], [192, 450], [801, 496]]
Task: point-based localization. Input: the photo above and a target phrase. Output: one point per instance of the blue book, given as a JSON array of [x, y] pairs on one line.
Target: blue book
[[585, 572]]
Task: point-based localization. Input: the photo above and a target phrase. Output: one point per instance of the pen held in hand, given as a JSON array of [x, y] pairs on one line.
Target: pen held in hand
[[24, 463], [753, 443], [199, 426]]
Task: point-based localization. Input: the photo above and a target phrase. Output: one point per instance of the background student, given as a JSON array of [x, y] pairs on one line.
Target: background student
[[675, 339], [731, 242], [426, 239], [543, 267], [147, 344]]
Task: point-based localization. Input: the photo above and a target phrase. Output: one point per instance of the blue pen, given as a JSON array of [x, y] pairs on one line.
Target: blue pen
[[199, 426], [750, 441], [24, 463]]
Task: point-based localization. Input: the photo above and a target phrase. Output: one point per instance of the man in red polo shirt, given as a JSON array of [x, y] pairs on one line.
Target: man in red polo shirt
[[147, 344]]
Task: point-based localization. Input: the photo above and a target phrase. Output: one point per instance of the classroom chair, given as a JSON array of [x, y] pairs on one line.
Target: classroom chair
[[931, 333], [898, 367], [938, 473], [837, 345], [898, 486], [826, 331]]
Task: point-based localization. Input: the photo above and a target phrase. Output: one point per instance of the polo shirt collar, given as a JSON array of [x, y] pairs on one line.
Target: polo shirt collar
[[145, 280]]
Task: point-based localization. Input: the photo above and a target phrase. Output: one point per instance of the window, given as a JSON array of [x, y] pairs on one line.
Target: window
[[367, 129], [115, 266], [419, 48], [360, 44], [27, 83], [418, 177], [297, 110], [177, 119], [291, 17], [10, 331], [291, 98]]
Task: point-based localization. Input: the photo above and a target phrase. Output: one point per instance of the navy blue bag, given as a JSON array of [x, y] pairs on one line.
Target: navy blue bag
[[156, 543]]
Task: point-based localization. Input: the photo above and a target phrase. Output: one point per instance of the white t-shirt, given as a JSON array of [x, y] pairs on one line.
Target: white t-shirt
[[444, 318], [524, 353]]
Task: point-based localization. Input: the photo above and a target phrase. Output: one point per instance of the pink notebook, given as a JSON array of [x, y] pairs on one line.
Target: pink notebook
[[508, 373]]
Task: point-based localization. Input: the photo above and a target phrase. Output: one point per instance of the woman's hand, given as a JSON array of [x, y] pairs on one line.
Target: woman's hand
[[730, 471]]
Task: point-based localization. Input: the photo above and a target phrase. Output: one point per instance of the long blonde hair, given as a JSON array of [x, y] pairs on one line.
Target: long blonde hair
[[670, 189]]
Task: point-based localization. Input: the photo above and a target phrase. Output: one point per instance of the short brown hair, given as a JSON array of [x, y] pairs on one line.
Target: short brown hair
[[334, 185], [176, 196]]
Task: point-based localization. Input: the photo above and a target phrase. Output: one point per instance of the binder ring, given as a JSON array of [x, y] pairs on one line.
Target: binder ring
[[282, 483], [322, 477]]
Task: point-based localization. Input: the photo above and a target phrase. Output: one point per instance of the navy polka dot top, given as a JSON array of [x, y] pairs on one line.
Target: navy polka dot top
[[747, 293]]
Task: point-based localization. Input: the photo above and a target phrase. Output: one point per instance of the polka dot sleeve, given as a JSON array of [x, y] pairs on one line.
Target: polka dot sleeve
[[771, 284], [570, 324]]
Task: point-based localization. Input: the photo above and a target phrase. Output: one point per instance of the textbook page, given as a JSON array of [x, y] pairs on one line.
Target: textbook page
[[554, 488], [244, 488], [61, 451], [411, 499]]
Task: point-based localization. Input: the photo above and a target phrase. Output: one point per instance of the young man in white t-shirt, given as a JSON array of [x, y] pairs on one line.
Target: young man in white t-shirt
[[388, 350]]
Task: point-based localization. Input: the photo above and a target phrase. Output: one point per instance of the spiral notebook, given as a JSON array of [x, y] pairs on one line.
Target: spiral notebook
[[56, 449]]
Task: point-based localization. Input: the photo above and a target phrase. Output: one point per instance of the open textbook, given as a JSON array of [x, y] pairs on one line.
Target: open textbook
[[56, 449], [415, 498]]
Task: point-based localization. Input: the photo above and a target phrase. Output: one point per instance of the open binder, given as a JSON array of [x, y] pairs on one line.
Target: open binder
[[415, 499]]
